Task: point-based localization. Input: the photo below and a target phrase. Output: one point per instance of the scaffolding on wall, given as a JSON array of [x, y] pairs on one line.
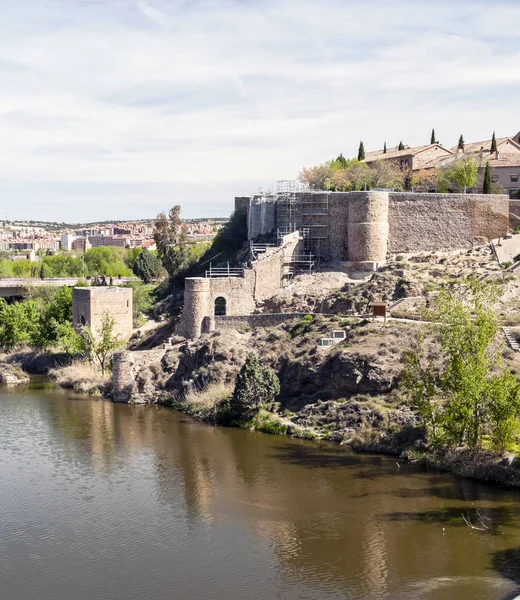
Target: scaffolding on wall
[[287, 208], [315, 223]]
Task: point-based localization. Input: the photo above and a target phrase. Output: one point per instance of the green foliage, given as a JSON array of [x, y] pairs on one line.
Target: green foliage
[[486, 189], [361, 152], [171, 241], [18, 323], [232, 235], [461, 143], [254, 388], [267, 423], [55, 324], [432, 138], [463, 173], [147, 266], [302, 326], [401, 146], [99, 346], [459, 395], [384, 148], [504, 411], [131, 256], [142, 299]]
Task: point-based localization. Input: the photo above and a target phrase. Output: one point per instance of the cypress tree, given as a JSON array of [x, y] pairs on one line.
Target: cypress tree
[[493, 143], [432, 139], [401, 146], [461, 143], [384, 149], [361, 151], [486, 189]]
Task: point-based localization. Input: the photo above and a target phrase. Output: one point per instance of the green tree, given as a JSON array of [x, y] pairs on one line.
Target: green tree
[[463, 173], [486, 189], [232, 235], [147, 266], [461, 143], [460, 394], [171, 241], [254, 388], [493, 143], [18, 323], [432, 138], [361, 152], [401, 146], [55, 327], [341, 160], [384, 148], [99, 346]]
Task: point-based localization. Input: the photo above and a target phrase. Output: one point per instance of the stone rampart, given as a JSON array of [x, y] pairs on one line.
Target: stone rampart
[[367, 227], [430, 222]]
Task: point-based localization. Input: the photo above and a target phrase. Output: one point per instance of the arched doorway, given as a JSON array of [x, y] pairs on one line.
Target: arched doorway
[[220, 307]]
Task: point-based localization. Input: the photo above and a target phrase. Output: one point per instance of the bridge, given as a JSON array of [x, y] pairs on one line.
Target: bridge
[[18, 286]]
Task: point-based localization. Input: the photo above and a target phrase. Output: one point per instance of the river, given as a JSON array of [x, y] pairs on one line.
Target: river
[[108, 501]]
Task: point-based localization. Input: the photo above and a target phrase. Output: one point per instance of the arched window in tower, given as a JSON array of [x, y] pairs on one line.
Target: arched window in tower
[[82, 321], [220, 306]]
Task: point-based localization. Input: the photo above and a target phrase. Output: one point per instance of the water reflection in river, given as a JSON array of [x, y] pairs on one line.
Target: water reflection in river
[[105, 501]]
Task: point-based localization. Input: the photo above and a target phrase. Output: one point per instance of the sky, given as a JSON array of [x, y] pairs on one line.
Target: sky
[[118, 109]]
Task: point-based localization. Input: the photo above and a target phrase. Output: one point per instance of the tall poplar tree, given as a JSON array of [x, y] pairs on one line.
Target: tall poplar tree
[[486, 188], [432, 139], [461, 143], [361, 151], [401, 146], [384, 149]]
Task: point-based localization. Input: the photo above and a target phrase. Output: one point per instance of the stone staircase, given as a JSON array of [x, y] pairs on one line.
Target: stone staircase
[[511, 339]]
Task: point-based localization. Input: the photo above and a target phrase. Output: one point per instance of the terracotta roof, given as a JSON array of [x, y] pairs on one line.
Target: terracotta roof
[[486, 145], [396, 153]]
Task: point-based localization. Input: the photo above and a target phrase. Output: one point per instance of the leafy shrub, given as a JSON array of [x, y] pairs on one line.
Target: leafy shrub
[[303, 325]]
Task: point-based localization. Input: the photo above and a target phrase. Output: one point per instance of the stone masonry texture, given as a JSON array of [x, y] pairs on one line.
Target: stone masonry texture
[[89, 304]]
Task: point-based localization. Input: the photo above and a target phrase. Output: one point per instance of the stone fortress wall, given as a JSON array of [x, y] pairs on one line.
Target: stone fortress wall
[[240, 294], [358, 231], [363, 227]]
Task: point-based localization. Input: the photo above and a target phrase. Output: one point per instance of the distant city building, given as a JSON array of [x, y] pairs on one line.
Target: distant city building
[[108, 240], [66, 241]]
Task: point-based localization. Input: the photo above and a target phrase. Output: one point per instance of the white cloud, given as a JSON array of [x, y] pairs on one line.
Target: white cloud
[[208, 93]]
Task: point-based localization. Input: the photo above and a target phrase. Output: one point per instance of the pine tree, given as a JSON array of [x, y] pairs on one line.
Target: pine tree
[[361, 152], [486, 189], [493, 143], [384, 149], [432, 139], [461, 143], [401, 146]]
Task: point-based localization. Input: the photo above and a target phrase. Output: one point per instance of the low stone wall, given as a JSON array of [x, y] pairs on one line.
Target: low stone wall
[[253, 321]]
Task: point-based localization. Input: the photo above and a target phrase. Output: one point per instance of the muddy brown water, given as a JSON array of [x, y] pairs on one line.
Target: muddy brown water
[[104, 501]]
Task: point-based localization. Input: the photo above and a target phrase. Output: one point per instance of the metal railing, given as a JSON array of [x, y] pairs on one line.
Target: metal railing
[[226, 271]]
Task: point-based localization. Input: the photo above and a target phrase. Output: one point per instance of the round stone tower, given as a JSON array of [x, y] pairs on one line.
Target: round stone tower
[[367, 229], [197, 305]]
